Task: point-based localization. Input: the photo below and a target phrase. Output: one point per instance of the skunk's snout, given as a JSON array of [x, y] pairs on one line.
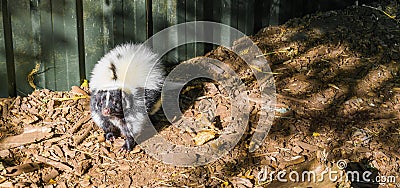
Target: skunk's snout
[[106, 112]]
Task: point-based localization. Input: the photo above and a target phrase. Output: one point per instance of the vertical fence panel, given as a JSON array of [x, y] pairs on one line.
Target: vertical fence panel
[[3, 64], [176, 14], [23, 43], [159, 15], [190, 15], [165, 14], [274, 12], [8, 48], [225, 12], [138, 21], [108, 24], [194, 11], [199, 49], [159, 8], [103, 29], [118, 19], [179, 16], [65, 44], [134, 21], [48, 78], [94, 32], [261, 15], [246, 16], [36, 80]]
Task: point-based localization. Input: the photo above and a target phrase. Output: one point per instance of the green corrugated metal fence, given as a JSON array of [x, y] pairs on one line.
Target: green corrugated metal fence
[[63, 39]]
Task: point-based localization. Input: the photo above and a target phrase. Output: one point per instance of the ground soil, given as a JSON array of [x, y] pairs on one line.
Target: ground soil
[[337, 78]]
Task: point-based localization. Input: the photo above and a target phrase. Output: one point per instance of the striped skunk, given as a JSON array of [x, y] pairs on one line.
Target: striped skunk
[[125, 84]]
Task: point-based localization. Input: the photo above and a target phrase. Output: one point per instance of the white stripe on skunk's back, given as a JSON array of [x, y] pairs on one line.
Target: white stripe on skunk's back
[[127, 66]]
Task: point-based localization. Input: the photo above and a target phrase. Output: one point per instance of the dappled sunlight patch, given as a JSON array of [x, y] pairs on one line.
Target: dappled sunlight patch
[[376, 77]]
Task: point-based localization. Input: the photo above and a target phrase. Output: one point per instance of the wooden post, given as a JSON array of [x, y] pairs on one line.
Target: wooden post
[[81, 40], [9, 49]]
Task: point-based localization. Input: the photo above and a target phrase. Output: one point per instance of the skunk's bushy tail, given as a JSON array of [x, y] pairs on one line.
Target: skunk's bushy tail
[[128, 66]]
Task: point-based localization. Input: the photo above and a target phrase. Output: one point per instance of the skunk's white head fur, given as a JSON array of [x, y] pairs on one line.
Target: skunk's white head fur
[[127, 66]]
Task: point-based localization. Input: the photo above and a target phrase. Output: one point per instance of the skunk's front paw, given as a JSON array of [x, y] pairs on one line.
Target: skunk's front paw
[[109, 136], [128, 146]]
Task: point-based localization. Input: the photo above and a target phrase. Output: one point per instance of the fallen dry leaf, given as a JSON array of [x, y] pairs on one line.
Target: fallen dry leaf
[[24, 168], [78, 91], [49, 177], [204, 136], [30, 135]]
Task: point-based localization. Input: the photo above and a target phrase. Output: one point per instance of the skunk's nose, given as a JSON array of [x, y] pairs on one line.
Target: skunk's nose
[[106, 111]]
